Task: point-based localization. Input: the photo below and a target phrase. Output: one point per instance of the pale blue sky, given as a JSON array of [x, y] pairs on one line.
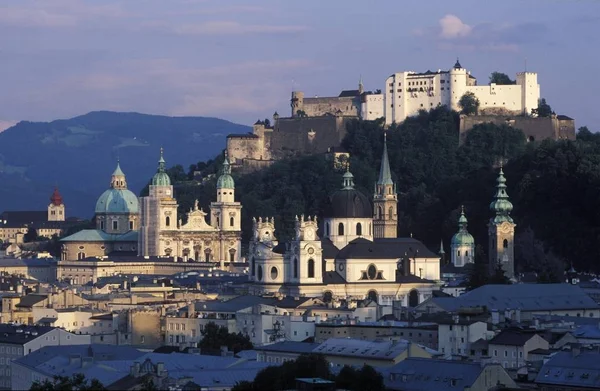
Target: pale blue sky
[[239, 60]]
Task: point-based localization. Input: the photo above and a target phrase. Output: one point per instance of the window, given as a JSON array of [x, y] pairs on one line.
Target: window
[[102, 225], [391, 210], [495, 353], [231, 221], [505, 353], [295, 268], [505, 243], [380, 212], [253, 267], [131, 225], [520, 354], [274, 273], [232, 255], [311, 268], [327, 229], [259, 273], [168, 221], [340, 229], [115, 225], [358, 229], [458, 253]]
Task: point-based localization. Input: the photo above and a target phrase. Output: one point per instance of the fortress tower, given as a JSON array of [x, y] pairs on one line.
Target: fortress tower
[[385, 200], [458, 84], [297, 102], [530, 91]]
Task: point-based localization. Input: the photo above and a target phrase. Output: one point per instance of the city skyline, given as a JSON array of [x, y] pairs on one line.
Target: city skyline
[[241, 61]]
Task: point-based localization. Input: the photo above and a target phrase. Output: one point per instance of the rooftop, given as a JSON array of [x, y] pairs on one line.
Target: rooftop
[[20, 334], [574, 370]]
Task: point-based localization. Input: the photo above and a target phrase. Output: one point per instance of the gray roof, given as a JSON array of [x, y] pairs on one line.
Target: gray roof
[[567, 369], [98, 351], [96, 235], [31, 299], [395, 248], [527, 297], [19, 335], [289, 347], [236, 304], [512, 337], [417, 374], [29, 262]]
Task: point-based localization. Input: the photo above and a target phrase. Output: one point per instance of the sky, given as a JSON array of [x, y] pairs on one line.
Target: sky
[[240, 60]]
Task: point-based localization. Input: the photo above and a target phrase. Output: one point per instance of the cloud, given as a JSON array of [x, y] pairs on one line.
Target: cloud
[[454, 34], [452, 27], [5, 124], [228, 27], [28, 17]]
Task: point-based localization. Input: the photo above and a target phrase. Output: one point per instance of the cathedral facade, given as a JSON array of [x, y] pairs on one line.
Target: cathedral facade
[[357, 255], [162, 234]]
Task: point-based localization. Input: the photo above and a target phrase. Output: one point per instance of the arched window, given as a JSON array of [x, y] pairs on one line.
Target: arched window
[[372, 295], [253, 267], [326, 229], [168, 221], [311, 268], [295, 268], [359, 229], [196, 255], [458, 253], [131, 225], [259, 273], [232, 255], [115, 225], [327, 297], [389, 190], [379, 212], [413, 298], [207, 255], [274, 273], [81, 255], [391, 213], [218, 221], [340, 229], [102, 225], [466, 253], [231, 221], [505, 243]]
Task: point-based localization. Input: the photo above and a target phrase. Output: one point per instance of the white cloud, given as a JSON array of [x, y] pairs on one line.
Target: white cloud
[[452, 27]]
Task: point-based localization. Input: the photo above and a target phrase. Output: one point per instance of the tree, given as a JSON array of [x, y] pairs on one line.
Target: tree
[[469, 103], [243, 386], [498, 277], [366, 378], [543, 109], [31, 235], [500, 78], [213, 337], [77, 382]]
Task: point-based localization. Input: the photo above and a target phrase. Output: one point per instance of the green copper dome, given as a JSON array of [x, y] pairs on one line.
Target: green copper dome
[[501, 205], [118, 199], [161, 178], [225, 180], [462, 237]]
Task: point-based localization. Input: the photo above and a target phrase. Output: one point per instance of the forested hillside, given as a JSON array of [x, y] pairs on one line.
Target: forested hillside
[[554, 186]]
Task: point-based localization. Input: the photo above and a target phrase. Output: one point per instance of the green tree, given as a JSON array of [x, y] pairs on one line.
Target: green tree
[[469, 103], [543, 109], [500, 78], [214, 336], [31, 235], [498, 277], [77, 382], [243, 386]]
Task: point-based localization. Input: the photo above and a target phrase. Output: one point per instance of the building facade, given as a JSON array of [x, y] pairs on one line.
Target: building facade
[[408, 92], [161, 234]]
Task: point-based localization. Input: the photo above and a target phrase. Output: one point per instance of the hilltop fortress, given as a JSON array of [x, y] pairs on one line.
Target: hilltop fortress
[[318, 124]]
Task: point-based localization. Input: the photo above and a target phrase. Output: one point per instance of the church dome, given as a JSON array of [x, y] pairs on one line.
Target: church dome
[[117, 201], [161, 178], [349, 202], [463, 239], [225, 180]]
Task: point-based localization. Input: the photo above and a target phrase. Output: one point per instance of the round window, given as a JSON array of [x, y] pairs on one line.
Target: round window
[[372, 272], [274, 273], [341, 266], [311, 250]]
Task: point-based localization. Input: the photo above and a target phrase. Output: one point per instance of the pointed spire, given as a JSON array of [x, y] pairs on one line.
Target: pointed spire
[[442, 252], [118, 171], [361, 88], [161, 161], [385, 174], [462, 220], [226, 165], [56, 198], [501, 204]]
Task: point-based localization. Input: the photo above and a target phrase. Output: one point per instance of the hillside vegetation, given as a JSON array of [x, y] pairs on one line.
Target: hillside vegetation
[[554, 186], [79, 154]]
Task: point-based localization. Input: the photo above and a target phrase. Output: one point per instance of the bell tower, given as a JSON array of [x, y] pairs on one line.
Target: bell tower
[[385, 200], [56, 208], [501, 231]]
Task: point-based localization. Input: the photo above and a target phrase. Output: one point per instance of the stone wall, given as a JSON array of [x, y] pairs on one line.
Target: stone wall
[[316, 107], [535, 129], [308, 135]]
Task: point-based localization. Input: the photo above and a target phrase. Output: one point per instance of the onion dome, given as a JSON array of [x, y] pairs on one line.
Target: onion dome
[[349, 202], [462, 237], [118, 199], [161, 178], [457, 64], [56, 198], [501, 205], [225, 180]]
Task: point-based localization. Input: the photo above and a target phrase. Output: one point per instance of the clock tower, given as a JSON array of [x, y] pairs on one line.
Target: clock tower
[[501, 231], [306, 260]]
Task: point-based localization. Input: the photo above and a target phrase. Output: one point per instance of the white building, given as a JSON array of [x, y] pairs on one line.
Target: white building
[[408, 92], [351, 260], [456, 335], [17, 341], [371, 107]]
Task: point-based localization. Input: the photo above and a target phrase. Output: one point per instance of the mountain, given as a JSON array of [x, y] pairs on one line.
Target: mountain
[[79, 154]]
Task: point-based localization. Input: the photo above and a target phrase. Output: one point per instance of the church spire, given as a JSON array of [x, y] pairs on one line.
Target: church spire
[[385, 175], [501, 204], [117, 180], [161, 178]]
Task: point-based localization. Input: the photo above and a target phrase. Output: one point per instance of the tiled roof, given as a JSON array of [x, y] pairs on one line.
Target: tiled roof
[[568, 369], [96, 235], [526, 297], [414, 374], [289, 347], [31, 299], [513, 337]]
